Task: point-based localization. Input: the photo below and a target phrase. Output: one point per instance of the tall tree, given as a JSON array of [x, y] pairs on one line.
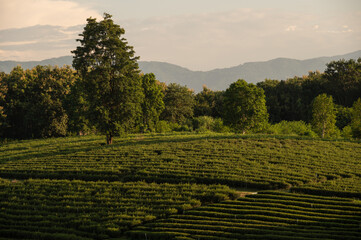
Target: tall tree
[[324, 115], [179, 102], [343, 81], [153, 104], [245, 107], [110, 77], [356, 119]]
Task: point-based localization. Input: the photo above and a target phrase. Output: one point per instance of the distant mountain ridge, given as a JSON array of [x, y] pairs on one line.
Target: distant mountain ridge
[[217, 79], [7, 66]]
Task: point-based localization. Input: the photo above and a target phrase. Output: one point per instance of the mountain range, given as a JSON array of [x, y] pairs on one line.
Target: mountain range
[[217, 79]]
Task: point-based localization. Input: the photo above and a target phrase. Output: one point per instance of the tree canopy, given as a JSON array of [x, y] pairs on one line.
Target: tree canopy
[[356, 119], [110, 77], [208, 103], [324, 115], [153, 104], [344, 81], [34, 102], [245, 107], [179, 102]]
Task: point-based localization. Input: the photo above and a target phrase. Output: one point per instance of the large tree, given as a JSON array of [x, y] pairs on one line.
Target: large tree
[[356, 119], [153, 104], [324, 115], [110, 77], [179, 102], [343, 81], [245, 107]]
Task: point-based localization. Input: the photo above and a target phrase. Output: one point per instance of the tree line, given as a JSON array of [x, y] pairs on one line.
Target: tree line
[[106, 93]]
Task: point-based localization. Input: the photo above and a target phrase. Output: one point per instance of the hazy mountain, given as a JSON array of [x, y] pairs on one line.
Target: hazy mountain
[[220, 79], [217, 79], [7, 66]]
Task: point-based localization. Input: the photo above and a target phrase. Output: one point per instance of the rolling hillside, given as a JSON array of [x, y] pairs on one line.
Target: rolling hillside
[[180, 186]]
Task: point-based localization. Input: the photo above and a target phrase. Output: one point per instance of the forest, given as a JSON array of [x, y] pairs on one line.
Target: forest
[[49, 102], [105, 93]]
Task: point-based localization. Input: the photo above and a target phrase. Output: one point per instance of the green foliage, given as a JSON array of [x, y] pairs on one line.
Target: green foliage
[[290, 99], [34, 103], [245, 107], [76, 106], [110, 77], [347, 132], [343, 116], [324, 116], [163, 127], [203, 124], [208, 103], [208, 124], [343, 81], [356, 119], [179, 102], [218, 126], [299, 128], [153, 104]]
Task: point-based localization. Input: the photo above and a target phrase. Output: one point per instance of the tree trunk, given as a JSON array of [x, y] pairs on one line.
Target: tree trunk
[[323, 129], [109, 138]]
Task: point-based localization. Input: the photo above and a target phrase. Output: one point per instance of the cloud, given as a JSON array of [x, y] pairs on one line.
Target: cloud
[[16, 43], [223, 39], [38, 42], [19, 13], [201, 41]]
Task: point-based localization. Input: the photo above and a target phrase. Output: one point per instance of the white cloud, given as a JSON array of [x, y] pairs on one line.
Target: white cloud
[[20, 13]]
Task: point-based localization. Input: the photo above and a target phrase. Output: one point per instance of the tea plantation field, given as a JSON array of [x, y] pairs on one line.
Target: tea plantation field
[[180, 186]]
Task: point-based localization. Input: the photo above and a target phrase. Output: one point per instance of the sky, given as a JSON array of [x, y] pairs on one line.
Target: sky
[[196, 34]]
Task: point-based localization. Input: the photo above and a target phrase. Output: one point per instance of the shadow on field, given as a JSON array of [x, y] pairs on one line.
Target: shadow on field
[[28, 149]]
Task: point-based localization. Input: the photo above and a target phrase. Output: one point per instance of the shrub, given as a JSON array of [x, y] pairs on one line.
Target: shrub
[[203, 123], [163, 126], [347, 132], [299, 128], [218, 126], [209, 124]]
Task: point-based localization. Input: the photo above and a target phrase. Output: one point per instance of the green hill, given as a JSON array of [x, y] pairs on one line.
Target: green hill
[[180, 186]]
